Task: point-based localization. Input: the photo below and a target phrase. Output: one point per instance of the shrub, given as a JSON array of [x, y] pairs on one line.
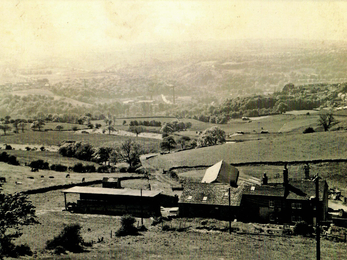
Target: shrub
[[23, 250], [69, 239], [302, 228], [308, 130], [13, 160], [58, 168], [127, 227], [78, 167], [4, 157], [103, 169], [89, 168], [39, 164]]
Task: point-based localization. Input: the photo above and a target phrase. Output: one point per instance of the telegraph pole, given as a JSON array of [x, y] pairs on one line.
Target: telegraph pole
[[317, 218], [229, 213]]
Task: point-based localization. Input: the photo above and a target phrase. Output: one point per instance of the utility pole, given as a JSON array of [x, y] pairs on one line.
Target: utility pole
[[229, 213], [141, 210], [316, 179]]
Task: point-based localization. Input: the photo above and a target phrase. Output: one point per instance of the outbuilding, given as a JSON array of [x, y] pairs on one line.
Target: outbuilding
[[140, 203], [221, 172]]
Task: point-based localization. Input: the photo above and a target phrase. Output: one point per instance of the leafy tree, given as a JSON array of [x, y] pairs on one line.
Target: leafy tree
[[38, 124], [110, 129], [168, 143], [166, 128], [183, 140], [59, 127], [136, 129], [15, 211], [211, 136], [327, 120], [282, 107], [130, 152], [22, 125], [102, 155], [5, 128]]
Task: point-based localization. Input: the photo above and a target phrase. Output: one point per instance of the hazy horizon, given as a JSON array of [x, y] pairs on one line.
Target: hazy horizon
[[37, 29]]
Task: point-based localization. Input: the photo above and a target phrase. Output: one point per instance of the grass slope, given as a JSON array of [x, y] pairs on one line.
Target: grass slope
[[272, 147]]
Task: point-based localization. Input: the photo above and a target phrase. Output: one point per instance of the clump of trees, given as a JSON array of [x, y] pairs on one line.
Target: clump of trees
[[15, 211], [144, 123], [211, 136], [168, 143], [129, 151]]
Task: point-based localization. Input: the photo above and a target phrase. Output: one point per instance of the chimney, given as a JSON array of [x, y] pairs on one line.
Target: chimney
[[307, 171], [285, 175], [265, 179]]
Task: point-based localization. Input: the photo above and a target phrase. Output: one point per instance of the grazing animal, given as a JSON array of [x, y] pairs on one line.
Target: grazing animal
[[67, 175], [83, 179], [18, 183], [30, 177], [52, 177], [42, 176]]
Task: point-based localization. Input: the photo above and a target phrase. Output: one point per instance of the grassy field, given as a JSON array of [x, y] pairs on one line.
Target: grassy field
[[55, 138]]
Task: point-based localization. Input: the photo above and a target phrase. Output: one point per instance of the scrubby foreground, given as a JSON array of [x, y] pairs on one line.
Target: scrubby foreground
[[187, 242]]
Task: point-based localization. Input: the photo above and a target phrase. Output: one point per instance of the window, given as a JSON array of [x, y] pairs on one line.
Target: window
[[271, 204], [204, 199], [296, 205], [189, 197]]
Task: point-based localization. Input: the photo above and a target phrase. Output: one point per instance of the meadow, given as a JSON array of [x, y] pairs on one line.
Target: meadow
[[284, 142]]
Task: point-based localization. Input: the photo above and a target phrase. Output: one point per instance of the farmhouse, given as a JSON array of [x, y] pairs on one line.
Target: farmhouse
[[206, 200], [141, 203], [284, 202], [221, 172]]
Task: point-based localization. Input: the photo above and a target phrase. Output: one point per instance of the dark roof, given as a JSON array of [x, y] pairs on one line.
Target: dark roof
[[115, 192], [275, 190], [298, 190], [308, 189], [214, 194]]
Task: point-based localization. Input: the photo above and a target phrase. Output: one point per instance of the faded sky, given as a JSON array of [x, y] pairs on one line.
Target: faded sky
[[37, 26]]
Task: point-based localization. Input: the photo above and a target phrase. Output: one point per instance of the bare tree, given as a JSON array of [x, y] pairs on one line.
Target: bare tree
[[327, 120]]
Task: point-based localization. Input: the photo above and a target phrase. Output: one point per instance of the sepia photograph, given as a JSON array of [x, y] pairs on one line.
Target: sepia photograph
[[173, 129]]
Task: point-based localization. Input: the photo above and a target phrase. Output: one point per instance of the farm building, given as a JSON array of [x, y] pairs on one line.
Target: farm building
[[281, 203], [210, 201], [221, 172], [112, 201]]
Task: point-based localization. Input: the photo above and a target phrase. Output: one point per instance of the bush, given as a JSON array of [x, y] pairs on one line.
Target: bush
[[308, 130], [4, 157], [302, 228], [23, 250], [58, 168], [39, 164], [69, 239], [13, 160], [104, 169], [127, 227], [78, 167]]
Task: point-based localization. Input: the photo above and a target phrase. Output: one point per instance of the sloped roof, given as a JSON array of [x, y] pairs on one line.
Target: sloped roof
[[108, 191], [298, 190], [221, 172], [214, 194]]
